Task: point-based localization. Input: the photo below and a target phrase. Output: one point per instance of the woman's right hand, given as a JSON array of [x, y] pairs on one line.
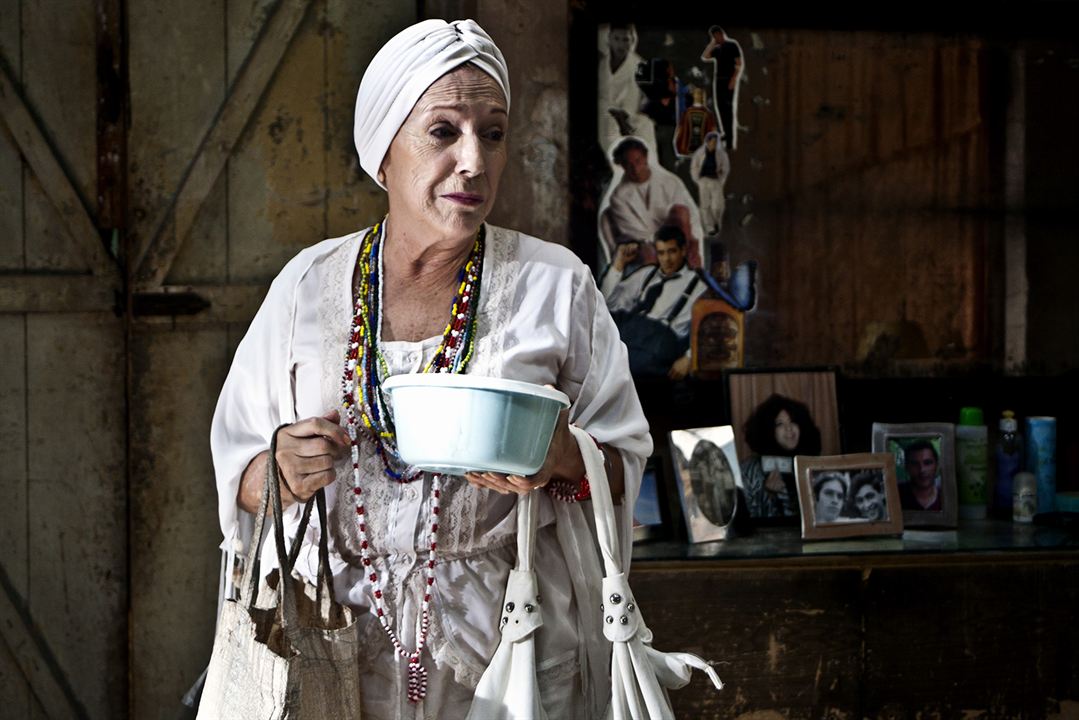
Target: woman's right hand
[[306, 453]]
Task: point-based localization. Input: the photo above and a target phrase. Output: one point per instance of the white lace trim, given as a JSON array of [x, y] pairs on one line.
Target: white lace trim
[[500, 270], [445, 653]]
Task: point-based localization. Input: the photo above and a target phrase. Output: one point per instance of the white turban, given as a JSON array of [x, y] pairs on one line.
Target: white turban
[[404, 68]]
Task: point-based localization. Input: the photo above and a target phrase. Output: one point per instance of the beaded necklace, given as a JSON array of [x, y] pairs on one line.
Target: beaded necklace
[[364, 364]]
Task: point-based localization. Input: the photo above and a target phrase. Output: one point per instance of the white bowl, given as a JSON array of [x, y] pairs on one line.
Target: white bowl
[[457, 423]]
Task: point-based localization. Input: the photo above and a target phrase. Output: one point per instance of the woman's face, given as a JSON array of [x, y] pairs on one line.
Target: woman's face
[[830, 500], [443, 167], [870, 503], [787, 432]]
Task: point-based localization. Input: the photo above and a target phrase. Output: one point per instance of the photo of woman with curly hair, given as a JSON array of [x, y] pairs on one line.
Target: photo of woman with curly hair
[[778, 415], [778, 429]]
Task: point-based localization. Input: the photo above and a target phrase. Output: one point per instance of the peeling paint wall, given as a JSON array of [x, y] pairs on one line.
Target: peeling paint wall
[[534, 196]]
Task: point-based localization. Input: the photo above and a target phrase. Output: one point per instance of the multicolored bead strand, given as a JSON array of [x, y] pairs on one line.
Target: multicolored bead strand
[[361, 398], [364, 363]]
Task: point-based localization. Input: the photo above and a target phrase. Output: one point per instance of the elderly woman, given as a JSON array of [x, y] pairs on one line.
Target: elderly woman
[[432, 288]]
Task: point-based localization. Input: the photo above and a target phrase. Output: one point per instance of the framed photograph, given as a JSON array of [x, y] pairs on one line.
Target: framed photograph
[[846, 496], [705, 462], [778, 414], [648, 511], [924, 459]]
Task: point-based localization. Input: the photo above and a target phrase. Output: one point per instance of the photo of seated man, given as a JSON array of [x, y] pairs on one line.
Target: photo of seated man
[[653, 306]]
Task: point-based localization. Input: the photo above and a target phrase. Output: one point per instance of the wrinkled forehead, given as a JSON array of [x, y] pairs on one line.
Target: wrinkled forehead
[[464, 86]]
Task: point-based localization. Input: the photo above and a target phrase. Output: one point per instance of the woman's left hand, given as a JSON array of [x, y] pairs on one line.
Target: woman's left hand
[[563, 462]]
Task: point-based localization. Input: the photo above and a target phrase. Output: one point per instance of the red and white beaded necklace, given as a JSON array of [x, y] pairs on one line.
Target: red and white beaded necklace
[[362, 399]]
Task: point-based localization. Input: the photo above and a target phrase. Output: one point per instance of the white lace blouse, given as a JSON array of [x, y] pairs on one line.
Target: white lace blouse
[[541, 320]]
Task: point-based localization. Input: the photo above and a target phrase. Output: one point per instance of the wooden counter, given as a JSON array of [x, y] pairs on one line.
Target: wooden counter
[[979, 622]]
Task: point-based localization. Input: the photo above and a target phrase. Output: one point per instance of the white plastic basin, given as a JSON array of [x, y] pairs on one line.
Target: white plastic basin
[[458, 423]]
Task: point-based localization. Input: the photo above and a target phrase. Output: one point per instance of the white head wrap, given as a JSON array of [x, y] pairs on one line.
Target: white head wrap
[[404, 68]]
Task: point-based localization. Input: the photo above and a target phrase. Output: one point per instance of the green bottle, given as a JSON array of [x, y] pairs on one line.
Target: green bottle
[[972, 463]]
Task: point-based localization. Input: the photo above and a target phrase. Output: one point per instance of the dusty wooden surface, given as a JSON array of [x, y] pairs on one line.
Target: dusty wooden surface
[[14, 691], [906, 637], [62, 472], [855, 188], [175, 561]]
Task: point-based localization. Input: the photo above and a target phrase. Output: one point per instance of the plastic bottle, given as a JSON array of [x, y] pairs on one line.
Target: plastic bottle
[[1025, 497], [1041, 459], [972, 463], [1009, 457]]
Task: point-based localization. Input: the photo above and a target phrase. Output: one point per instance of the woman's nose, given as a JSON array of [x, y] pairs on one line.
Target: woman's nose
[[470, 161]]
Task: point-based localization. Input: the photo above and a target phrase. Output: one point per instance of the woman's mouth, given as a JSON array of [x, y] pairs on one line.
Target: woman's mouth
[[464, 198]]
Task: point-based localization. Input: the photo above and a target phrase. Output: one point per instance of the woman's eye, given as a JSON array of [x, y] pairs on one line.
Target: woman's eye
[[442, 132], [496, 134]]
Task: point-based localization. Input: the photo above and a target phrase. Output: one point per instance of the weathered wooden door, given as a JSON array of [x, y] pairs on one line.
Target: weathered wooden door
[[63, 489], [240, 155], [234, 152]]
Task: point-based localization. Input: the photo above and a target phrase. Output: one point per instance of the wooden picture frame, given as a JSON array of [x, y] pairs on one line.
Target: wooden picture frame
[[808, 397], [910, 443], [706, 467], [846, 496]]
